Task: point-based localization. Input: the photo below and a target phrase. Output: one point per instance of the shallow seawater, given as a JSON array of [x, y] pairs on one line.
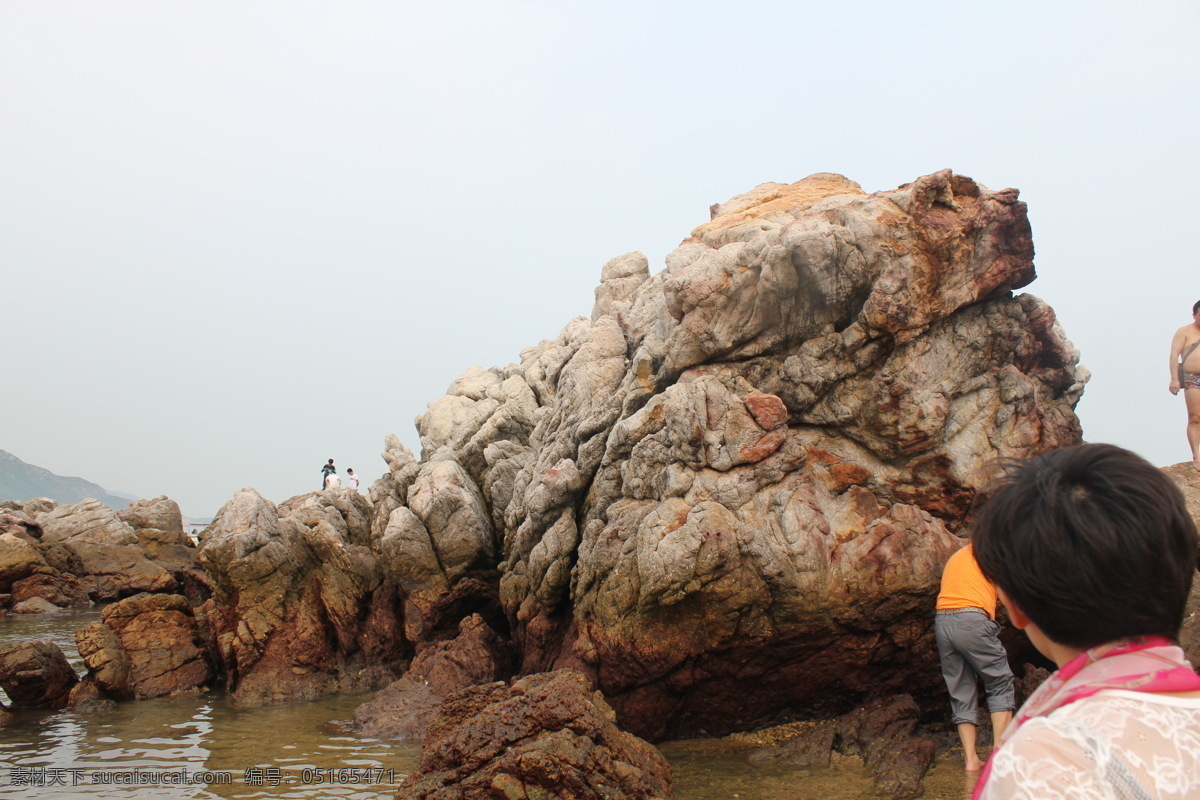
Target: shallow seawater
[[200, 746], [713, 769]]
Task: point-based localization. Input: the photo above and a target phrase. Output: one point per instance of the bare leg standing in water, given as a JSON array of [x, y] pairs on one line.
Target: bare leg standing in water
[[1185, 374]]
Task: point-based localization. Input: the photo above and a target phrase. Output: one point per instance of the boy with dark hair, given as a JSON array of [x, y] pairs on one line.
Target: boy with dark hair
[[1093, 552]]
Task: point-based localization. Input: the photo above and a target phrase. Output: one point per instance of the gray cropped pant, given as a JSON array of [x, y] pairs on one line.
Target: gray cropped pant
[[969, 648]]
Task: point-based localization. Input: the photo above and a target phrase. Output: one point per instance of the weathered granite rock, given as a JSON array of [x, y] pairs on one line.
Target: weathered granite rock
[[404, 709], [619, 282], [158, 525], [19, 558], [546, 736], [744, 470], [298, 608], [36, 675], [757, 471], [160, 513], [111, 562], [62, 590], [19, 522], [39, 505], [87, 698], [145, 646], [443, 535], [34, 605], [883, 732]]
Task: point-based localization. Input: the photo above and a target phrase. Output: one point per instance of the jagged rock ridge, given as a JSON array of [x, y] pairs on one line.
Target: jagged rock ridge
[[726, 497]]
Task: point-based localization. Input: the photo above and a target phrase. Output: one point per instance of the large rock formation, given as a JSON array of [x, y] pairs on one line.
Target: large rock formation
[[749, 467], [299, 607], [744, 470]]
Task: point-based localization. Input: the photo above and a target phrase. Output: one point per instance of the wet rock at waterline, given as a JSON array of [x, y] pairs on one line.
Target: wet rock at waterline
[[404, 709], [883, 733], [548, 735], [36, 675], [299, 606], [88, 698], [34, 605], [145, 646]]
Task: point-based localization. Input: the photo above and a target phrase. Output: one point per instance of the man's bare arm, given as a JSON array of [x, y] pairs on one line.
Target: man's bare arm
[[1176, 349]]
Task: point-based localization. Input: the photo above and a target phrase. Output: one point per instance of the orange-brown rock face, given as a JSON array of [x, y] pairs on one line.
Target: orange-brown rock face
[[545, 736], [145, 646], [728, 494], [808, 398], [299, 607]]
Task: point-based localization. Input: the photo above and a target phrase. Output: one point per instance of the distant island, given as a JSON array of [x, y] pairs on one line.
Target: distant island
[[20, 481]]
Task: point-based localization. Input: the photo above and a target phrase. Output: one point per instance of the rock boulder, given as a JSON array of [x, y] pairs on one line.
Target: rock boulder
[[547, 735], [299, 606], [404, 709], [145, 646], [110, 561], [36, 675]]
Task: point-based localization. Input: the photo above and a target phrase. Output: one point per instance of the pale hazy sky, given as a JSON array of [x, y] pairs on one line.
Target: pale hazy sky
[[239, 238]]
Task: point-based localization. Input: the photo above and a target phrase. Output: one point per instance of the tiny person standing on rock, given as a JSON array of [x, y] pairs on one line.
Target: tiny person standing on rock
[[969, 647], [326, 471], [351, 479]]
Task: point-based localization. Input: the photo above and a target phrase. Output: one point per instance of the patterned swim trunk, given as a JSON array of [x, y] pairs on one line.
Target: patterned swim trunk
[[1191, 380]]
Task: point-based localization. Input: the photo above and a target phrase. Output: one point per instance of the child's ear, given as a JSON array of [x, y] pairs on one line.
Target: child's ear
[[1019, 620]]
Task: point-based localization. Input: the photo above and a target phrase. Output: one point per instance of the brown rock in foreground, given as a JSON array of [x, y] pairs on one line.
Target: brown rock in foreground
[[145, 646], [36, 675], [404, 709], [547, 735], [882, 732]]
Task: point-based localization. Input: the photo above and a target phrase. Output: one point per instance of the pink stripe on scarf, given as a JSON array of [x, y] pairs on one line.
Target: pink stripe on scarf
[[1150, 664]]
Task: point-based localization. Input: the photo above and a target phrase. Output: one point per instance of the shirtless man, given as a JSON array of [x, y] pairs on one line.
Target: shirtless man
[[1185, 348]]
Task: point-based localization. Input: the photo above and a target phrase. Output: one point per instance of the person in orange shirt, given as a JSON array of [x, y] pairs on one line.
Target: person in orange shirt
[[968, 640]]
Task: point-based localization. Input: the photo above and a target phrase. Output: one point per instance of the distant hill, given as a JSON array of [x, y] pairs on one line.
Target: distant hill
[[20, 481]]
